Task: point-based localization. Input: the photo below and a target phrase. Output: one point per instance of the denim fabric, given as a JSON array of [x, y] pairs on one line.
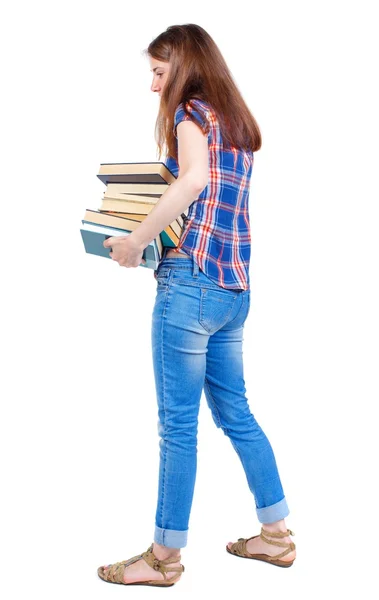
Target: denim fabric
[[197, 335]]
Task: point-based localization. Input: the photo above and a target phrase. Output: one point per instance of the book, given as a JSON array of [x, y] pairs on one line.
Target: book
[[133, 197], [123, 206], [122, 188], [135, 172], [180, 219], [132, 191], [148, 189], [169, 237], [94, 236]]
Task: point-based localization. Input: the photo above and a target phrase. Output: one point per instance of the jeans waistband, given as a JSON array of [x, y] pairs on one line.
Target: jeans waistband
[[184, 262]]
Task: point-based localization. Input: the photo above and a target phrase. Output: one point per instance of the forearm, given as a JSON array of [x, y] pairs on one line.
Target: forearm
[[175, 200]]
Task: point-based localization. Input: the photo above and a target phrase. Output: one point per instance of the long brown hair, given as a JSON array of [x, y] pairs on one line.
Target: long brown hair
[[198, 70]]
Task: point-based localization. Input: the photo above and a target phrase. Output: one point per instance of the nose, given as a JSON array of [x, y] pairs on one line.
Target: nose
[[154, 87]]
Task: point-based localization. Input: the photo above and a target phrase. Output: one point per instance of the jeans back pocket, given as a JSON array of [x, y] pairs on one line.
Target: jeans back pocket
[[215, 308]]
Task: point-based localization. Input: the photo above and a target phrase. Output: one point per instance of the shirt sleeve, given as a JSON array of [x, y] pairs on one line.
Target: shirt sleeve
[[197, 114]]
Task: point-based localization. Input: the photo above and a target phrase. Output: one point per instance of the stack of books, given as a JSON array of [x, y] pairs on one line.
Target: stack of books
[[132, 190]]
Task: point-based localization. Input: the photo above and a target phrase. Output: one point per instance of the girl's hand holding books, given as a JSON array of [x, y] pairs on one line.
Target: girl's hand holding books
[[125, 251]]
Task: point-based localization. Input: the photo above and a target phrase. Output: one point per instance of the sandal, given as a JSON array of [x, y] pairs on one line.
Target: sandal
[[239, 548], [115, 572]]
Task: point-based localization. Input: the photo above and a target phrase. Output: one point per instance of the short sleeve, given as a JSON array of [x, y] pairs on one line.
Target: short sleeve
[[197, 113]]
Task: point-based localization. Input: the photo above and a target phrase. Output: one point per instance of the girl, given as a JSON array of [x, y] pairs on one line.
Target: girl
[[202, 301]]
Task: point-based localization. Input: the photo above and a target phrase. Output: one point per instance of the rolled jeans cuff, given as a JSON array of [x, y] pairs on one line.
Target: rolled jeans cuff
[[273, 513], [171, 538]]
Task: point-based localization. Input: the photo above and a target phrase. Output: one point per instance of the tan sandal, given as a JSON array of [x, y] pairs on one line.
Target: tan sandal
[[239, 548], [115, 572]]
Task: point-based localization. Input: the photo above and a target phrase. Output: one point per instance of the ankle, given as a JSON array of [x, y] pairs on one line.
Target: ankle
[[163, 552], [277, 527]]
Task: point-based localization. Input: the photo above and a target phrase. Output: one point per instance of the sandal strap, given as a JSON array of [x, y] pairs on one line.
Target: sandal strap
[[289, 546], [161, 565], [116, 571], [278, 534], [292, 547], [240, 546]]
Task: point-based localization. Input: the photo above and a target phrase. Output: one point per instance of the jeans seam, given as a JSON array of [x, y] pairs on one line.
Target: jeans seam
[[206, 383], [164, 413], [241, 307], [238, 452]]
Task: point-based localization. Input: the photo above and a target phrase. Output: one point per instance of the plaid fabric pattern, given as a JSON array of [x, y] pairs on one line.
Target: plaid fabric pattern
[[216, 232]]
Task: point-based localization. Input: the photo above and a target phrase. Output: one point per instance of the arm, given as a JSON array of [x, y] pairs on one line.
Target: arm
[[192, 179]]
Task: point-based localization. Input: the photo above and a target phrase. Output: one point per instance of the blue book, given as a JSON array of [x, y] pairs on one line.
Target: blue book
[[94, 236]]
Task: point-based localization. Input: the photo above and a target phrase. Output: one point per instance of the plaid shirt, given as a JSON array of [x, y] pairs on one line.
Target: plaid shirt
[[216, 232]]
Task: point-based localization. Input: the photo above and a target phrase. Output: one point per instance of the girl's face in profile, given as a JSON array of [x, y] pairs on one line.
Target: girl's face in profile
[[160, 70]]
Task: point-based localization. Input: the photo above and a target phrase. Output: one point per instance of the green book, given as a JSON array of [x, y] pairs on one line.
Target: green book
[[94, 236]]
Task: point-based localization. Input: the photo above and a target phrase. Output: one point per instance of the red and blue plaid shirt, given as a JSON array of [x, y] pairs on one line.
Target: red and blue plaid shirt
[[216, 232]]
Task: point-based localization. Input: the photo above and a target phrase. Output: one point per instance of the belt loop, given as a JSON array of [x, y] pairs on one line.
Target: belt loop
[[195, 270]]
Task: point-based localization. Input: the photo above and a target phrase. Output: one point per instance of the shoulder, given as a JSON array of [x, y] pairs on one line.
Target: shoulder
[[193, 105], [193, 109]]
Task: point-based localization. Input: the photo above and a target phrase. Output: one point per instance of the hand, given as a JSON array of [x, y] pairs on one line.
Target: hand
[[125, 251]]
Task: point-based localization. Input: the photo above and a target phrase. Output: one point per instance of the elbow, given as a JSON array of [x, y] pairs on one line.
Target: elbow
[[201, 182], [201, 186], [195, 183]]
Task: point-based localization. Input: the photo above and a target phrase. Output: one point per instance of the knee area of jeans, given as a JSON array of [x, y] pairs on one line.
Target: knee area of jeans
[[217, 422]]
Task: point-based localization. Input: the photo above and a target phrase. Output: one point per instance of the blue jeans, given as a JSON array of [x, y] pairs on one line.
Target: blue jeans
[[197, 334]]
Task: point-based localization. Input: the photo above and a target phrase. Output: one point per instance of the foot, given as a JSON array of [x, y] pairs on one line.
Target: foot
[[259, 546], [141, 571]]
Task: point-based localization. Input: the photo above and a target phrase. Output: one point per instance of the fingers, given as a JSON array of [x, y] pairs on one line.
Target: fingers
[[108, 242]]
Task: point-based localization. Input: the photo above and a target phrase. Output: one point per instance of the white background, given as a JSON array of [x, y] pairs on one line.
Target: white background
[[79, 441]]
